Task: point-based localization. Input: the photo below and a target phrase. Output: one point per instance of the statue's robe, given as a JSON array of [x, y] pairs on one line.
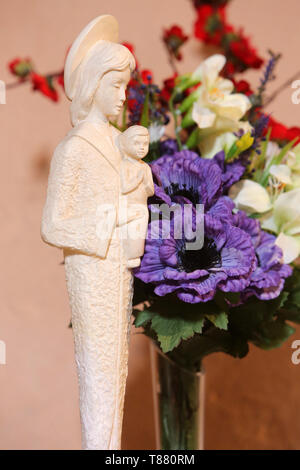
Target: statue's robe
[[80, 217]]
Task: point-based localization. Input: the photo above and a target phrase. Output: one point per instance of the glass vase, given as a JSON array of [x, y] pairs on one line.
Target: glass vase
[[178, 396]]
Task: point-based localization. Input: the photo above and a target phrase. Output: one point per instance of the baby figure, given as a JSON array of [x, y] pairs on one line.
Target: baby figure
[[136, 186]]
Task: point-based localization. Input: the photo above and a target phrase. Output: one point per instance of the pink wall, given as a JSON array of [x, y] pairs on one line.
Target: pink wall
[[251, 403]]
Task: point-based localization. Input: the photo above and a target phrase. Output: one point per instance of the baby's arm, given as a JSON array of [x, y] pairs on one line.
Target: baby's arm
[[148, 180]]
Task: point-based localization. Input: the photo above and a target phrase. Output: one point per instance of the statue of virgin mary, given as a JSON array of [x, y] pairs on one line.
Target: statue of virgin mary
[[81, 217]]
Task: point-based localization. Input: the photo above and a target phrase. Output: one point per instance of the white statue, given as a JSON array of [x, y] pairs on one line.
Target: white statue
[[82, 216], [136, 187]]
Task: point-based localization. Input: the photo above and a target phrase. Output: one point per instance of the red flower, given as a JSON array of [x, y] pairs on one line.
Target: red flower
[[167, 90], [44, 85], [211, 28], [174, 38], [20, 67], [132, 49], [229, 69], [246, 54], [60, 79], [242, 86], [146, 76], [281, 132], [292, 133], [210, 24]]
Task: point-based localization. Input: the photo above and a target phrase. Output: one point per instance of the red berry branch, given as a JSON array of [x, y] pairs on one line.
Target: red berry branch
[[211, 27], [45, 84]]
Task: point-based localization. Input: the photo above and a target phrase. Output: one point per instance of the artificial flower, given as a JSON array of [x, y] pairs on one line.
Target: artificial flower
[[156, 132], [290, 247], [250, 197], [167, 89], [242, 86], [168, 147], [146, 76], [284, 220], [292, 160], [224, 262], [217, 111], [216, 105], [174, 38], [245, 53], [210, 24], [272, 150], [231, 171], [132, 50], [282, 133], [267, 279], [281, 174], [212, 27], [44, 85], [20, 67], [184, 176]]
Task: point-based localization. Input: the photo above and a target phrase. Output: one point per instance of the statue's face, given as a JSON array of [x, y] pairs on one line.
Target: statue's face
[[138, 146], [110, 95]]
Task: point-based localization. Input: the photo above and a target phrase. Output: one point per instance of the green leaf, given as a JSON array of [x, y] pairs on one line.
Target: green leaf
[[232, 151], [189, 101], [171, 330], [233, 297], [187, 121], [276, 160], [290, 304], [145, 112], [272, 334], [190, 353], [184, 82], [220, 320], [142, 317], [264, 146], [192, 141], [289, 315]]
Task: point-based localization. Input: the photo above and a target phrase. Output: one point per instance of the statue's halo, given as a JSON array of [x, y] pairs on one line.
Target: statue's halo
[[103, 27]]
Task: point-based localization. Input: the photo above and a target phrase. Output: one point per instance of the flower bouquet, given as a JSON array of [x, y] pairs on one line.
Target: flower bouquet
[[212, 147]]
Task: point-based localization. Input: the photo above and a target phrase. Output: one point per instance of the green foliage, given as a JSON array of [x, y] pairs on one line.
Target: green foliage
[[189, 332], [239, 146], [276, 160], [145, 112], [220, 320], [171, 320]]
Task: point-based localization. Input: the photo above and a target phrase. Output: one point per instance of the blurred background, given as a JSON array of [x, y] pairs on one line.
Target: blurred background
[[251, 403]]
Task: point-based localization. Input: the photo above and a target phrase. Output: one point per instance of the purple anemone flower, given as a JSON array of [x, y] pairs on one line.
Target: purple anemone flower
[[224, 262], [168, 147], [267, 280], [184, 177], [231, 172]]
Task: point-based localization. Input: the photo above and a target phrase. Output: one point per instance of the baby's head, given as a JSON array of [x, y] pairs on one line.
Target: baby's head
[[134, 142]]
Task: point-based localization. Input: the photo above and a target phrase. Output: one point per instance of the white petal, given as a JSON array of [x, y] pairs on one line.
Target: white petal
[[272, 150], [282, 173], [156, 131], [203, 116], [250, 197], [234, 106], [268, 223], [290, 247], [287, 212], [224, 85], [210, 68], [210, 145]]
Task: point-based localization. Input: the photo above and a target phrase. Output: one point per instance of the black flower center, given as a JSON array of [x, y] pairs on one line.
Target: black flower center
[[206, 258], [190, 193]]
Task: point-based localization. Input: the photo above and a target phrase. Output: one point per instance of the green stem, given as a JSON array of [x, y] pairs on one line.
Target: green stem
[[179, 407], [175, 117]]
